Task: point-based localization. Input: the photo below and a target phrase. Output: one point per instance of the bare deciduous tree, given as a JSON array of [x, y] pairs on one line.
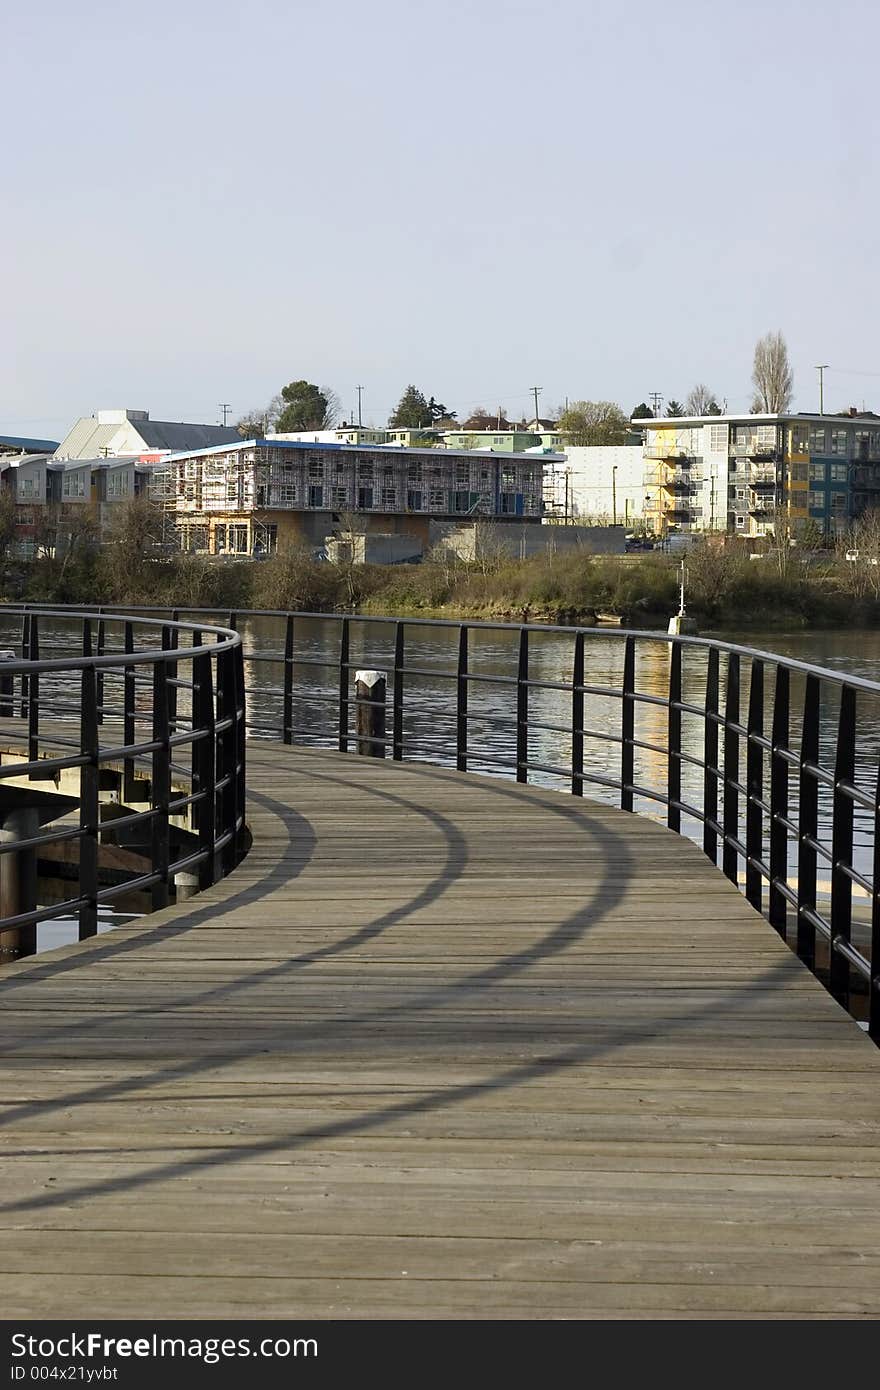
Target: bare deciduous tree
[[772, 376], [700, 401], [859, 551]]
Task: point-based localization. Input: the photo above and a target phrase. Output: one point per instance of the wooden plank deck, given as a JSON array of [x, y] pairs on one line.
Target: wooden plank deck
[[440, 1047]]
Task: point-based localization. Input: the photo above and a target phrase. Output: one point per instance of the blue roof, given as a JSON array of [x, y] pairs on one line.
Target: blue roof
[[30, 446]]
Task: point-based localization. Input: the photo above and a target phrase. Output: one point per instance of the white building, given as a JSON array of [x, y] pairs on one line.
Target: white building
[[599, 485], [112, 432]]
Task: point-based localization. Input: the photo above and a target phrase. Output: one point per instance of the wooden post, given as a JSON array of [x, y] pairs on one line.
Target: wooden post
[[370, 713], [18, 881], [7, 708]]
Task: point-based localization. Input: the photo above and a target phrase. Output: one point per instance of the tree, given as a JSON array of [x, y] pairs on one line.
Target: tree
[[7, 522], [413, 411], [593, 422], [481, 419], [257, 423], [306, 407], [700, 400], [675, 409], [642, 412], [772, 376], [439, 414]]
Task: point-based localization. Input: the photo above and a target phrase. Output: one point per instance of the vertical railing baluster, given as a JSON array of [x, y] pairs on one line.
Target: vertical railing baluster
[[755, 786], [710, 758], [33, 696], [227, 742], [204, 759], [729, 860], [128, 724], [99, 674], [673, 740], [240, 745], [577, 716], [25, 656], [461, 701], [522, 708], [287, 697], [397, 695], [777, 903], [808, 823], [160, 781], [89, 808], [344, 643], [842, 846], [874, 989], [172, 669], [628, 724]]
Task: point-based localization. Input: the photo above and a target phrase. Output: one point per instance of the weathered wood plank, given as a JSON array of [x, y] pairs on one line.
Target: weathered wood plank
[[443, 1047]]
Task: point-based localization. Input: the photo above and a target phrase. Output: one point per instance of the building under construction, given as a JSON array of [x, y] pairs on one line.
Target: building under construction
[[260, 495]]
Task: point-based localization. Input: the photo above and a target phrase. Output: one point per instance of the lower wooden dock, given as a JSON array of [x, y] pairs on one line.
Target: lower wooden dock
[[440, 1047]]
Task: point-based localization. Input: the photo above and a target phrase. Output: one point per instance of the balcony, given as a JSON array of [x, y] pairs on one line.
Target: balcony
[[668, 453], [678, 512], [759, 508], [762, 477]]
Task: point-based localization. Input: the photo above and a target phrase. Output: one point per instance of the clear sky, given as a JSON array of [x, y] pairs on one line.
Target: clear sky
[[204, 200]]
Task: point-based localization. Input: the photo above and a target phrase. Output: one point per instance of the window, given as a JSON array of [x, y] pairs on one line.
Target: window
[[316, 495], [414, 500], [117, 483], [26, 487], [718, 438], [817, 499], [74, 485], [838, 442], [365, 471], [462, 471], [839, 472], [219, 539], [818, 439], [365, 498], [740, 521], [863, 443], [817, 472], [238, 539], [799, 472], [339, 496], [438, 499], [414, 472], [288, 494], [838, 502], [389, 497]]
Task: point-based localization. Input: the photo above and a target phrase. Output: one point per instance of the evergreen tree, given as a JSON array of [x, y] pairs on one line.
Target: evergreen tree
[[412, 412]]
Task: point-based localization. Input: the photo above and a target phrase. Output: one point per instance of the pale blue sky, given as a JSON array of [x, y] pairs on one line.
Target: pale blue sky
[[203, 201]]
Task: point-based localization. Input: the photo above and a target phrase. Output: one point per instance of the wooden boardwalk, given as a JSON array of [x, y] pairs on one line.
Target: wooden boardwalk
[[440, 1047]]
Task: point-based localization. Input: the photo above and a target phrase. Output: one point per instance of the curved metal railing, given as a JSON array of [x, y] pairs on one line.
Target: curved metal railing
[[141, 719], [771, 764]]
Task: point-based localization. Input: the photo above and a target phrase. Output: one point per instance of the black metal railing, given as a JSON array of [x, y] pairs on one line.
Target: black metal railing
[[770, 764], [132, 742]]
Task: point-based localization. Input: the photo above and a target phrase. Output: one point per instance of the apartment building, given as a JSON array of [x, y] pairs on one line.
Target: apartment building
[[742, 473], [47, 493], [260, 495]]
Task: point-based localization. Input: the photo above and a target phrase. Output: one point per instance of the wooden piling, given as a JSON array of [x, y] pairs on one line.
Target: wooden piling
[[370, 688]]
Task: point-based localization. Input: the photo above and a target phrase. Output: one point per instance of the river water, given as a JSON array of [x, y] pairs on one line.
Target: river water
[[429, 722]]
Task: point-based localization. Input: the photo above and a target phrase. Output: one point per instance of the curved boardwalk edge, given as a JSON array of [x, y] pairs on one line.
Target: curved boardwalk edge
[[440, 1046]]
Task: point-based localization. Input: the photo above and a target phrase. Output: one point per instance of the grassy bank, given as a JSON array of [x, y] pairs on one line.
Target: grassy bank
[[725, 587]]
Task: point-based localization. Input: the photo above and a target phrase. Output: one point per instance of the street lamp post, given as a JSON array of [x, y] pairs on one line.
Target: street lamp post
[[614, 494]]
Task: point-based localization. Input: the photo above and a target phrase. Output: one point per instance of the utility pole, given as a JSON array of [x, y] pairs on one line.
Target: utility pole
[[225, 407], [656, 398], [359, 389], [822, 370], [614, 494], [536, 390]]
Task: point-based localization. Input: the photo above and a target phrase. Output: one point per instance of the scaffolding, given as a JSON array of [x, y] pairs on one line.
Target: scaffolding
[[242, 488]]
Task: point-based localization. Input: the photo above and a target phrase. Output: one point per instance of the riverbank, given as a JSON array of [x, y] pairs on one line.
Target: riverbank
[[724, 587]]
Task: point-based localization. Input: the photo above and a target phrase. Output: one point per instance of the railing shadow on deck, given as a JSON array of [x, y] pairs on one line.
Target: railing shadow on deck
[[761, 758]]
